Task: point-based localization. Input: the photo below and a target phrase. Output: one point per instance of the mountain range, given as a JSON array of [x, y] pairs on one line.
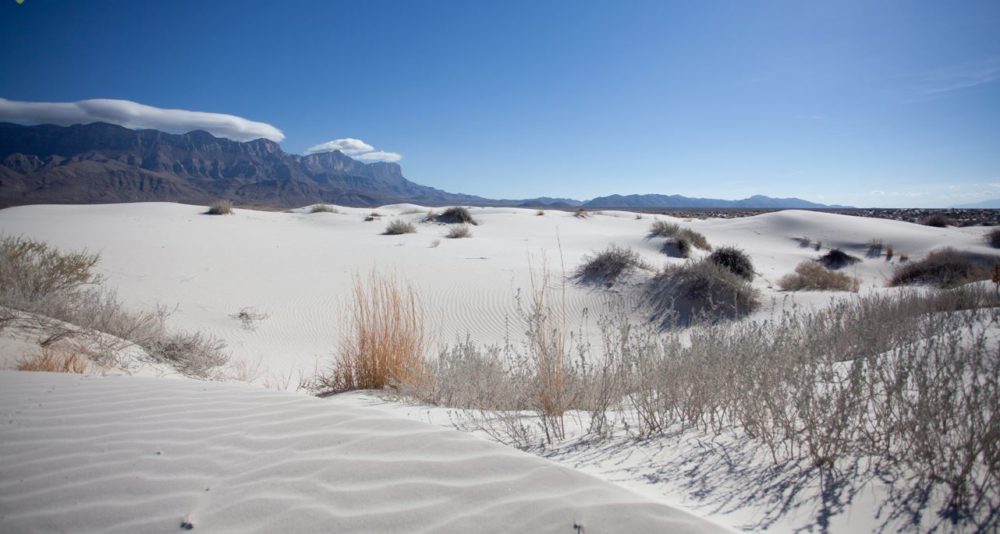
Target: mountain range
[[105, 163]]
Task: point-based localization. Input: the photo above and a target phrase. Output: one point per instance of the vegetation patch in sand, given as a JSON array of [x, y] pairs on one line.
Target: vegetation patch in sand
[[812, 276], [946, 268]]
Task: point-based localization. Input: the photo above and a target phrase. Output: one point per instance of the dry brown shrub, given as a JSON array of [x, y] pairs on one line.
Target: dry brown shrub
[[220, 207], [812, 276], [54, 360], [384, 343]]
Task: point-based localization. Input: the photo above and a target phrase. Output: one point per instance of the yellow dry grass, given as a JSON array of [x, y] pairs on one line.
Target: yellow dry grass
[[385, 341], [54, 360]]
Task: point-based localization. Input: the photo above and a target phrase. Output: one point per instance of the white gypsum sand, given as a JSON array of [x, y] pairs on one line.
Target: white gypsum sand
[[134, 454]]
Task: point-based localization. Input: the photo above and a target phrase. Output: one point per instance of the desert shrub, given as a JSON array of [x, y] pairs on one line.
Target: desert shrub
[[875, 247], [734, 259], [372, 216], [946, 268], [812, 276], [32, 271], [701, 291], [193, 354], [398, 227], [383, 344], [677, 247], [323, 208], [581, 213], [540, 213], [63, 292], [459, 231], [220, 207], [676, 232], [455, 215], [607, 266], [51, 360], [663, 229], [937, 220], [889, 253], [993, 238], [837, 259]]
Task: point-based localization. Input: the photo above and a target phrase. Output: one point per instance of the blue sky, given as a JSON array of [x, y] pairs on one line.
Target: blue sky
[[870, 103]]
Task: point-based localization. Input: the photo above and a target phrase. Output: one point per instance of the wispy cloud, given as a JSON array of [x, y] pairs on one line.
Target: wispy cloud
[[134, 115], [945, 80], [354, 148]]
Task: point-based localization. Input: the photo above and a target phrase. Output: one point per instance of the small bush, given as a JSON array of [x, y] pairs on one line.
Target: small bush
[[811, 276], [540, 213], [837, 259], [993, 238], [946, 268], [32, 271], [937, 220], [459, 231], [671, 230], [323, 208], [889, 253], [734, 259], [397, 227], [383, 345], [52, 360], [455, 215], [581, 213], [220, 207], [677, 247], [607, 266], [700, 291], [875, 247]]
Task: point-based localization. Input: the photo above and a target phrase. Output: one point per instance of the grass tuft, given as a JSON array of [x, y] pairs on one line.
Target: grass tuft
[[398, 227], [946, 268], [220, 207], [812, 276]]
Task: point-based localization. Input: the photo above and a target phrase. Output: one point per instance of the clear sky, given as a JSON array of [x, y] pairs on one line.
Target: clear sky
[[864, 102]]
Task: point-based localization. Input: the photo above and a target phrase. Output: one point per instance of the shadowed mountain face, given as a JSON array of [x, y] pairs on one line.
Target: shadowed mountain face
[[100, 162], [104, 163]]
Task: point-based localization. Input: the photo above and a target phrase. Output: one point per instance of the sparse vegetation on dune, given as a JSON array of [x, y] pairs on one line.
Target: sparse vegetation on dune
[[607, 266], [837, 259], [384, 343], [581, 213], [220, 207], [946, 268], [993, 238], [399, 227], [454, 215], [734, 259], [699, 291], [937, 220], [62, 291], [812, 276], [459, 231], [372, 216], [882, 377], [678, 233], [53, 360], [323, 208]]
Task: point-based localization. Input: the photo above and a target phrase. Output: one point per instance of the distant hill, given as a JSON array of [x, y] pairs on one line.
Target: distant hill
[[104, 163], [678, 201], [985, 204]]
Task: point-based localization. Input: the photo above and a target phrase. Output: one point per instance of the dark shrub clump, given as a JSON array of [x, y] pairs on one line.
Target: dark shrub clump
[[837, 259], [734, 259], [937, 220], [946, 268], [220, 207], [700, 292], [605, 267], [993, 238], [397, 227], [455, 215]]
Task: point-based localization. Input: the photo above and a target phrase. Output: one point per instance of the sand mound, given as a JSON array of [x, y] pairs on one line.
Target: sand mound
[[132, 454]]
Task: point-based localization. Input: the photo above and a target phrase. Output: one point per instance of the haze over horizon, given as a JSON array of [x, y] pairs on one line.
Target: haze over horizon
[[890, 105]]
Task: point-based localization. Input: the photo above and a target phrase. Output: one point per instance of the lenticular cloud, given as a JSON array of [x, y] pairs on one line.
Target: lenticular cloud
[[354, 148], [135, 115]]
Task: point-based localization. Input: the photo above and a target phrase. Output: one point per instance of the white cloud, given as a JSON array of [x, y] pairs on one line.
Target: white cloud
[[378, 155], [354, 148], [134, 115], [347, 145]]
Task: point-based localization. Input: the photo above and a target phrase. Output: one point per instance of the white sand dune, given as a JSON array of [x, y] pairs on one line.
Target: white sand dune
[[134, 454], [296, 268]]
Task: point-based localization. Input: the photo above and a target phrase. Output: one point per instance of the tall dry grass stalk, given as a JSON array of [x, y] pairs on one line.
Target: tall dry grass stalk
[[385, 341], [54, 360]]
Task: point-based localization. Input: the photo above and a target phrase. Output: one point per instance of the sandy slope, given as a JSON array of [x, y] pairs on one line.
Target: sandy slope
[[133, 454], [296, 267]]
